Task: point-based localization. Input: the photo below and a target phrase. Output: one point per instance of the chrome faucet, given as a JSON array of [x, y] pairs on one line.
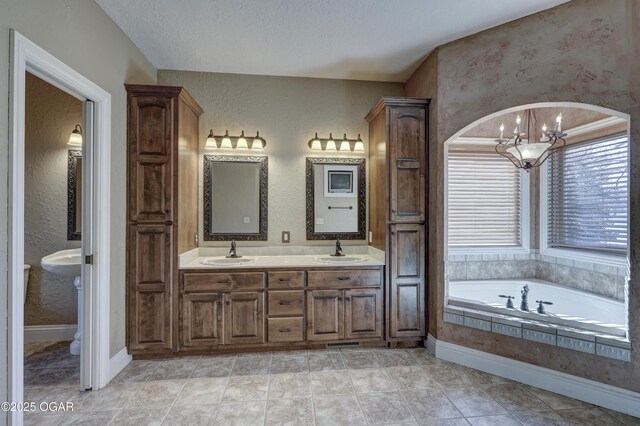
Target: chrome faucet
[[232, 251], [541, 304], [524, 305], [509, 301], [338, 252]]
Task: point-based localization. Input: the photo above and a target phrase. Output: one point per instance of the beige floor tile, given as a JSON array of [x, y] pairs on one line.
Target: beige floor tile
[[35, 394], [331, 383], [111, 397], [289, 386], [505, 420], [136, 371], [423, 357], [556, 401], [473, 401], [394, 358], [246, 388], [40, 419], [430, 404], [214, 367], [588, 417], [290, 412], [253, 365], [91, 418], [542, 418], [140, 416], [241, 413], [325, 361], [174, 369], [444, 422], [623, 418], [514, 398], [385, 407], [412, 377], [337, 410], [160, 393], [447, 375], [192, 415], [371, 380], [289, 364], [52, 377], [202, 391], [481, 378], [360, 359]]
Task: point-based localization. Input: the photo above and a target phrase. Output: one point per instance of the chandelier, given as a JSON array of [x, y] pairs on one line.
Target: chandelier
[[523, 152]]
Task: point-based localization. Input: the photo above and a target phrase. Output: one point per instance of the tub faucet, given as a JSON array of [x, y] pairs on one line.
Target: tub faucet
[[338, 252], [232, 251], [524, 305], [509, 301], [541, 304]]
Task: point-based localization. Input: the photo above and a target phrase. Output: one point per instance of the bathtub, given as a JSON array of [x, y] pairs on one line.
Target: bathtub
[[571, 308]]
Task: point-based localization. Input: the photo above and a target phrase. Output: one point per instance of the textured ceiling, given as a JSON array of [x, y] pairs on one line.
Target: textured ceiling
[[348, 39]]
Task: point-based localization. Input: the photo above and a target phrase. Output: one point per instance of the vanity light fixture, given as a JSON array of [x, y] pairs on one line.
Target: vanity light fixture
[[234, 142], [329, 144], [527, 154], [75, 138]]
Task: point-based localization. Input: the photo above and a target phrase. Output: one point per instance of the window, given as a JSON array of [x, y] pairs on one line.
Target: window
[[587, 196], [485, 195]]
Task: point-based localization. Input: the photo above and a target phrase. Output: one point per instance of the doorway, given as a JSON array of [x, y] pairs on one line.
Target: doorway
[[93, 299]]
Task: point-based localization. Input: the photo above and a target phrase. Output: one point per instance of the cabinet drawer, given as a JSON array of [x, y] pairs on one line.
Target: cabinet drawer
[[223, 281], [285, 329], [286, 279], [286, 303], [345, 278]]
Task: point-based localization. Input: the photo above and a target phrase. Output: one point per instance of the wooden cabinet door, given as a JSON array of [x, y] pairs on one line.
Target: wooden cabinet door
[[407, 164], [363, 313], [406, 292], [151, 124], [150, 287], [244, 317], [202, 319], [324, 315]]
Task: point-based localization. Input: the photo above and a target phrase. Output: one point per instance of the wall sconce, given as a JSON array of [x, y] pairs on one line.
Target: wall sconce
[[75, 138], [330, 144], [234, 142]]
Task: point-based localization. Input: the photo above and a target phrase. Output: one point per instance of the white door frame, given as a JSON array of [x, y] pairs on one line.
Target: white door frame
[[27, 56]]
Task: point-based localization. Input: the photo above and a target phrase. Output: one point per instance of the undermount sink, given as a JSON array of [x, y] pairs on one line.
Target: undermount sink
[[228, 261], [340, 259], [63, 262]]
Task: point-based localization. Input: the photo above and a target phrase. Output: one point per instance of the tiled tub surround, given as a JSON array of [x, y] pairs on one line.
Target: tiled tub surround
[[548, 334], [604, 280], [353, 386]]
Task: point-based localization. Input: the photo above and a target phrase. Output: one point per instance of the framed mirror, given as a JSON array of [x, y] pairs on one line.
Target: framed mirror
[[235, 198], [336, 198], [74, 195]]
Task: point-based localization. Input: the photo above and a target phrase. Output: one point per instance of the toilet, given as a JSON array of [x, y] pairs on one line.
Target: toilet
[[26, 280]]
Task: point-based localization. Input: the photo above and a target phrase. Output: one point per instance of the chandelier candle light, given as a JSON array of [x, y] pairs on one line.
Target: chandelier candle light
[[526, 154], [227, 142], [341, 145]]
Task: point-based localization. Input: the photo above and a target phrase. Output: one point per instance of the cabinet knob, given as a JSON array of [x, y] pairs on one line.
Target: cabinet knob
[[348, 299], [227, 303], [339, 299], [286, 302], [344, 278], [285, 330], [393, 211]]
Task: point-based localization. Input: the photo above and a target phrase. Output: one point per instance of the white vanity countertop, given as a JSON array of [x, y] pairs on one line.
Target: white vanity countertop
[[272, 257]]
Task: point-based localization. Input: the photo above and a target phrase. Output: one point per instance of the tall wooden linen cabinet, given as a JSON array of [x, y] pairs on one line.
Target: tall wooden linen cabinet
[[162, 210], [398, 139]]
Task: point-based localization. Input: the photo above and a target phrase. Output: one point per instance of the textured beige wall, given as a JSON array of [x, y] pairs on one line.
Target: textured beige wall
[[51, 114], [584, 51], [80, 34], [287, 111]]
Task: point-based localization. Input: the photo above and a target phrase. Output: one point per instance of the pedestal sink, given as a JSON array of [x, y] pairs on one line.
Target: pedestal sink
[[68, 264]]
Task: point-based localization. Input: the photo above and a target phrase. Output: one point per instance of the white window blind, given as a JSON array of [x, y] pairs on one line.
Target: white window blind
[[588, 195], [484, 205]]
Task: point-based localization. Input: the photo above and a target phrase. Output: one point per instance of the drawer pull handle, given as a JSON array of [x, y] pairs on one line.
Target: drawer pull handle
[[344, 278], [348, 299], [223, 282], [284, 280], [285, 330], [286, 302]]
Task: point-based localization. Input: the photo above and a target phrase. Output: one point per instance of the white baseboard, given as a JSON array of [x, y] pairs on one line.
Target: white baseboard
[[614, 398], [430, 344], [118, 362], [49, 333]]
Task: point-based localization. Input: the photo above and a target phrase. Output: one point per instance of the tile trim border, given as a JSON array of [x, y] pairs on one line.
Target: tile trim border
[[612, 348], [612, 397]]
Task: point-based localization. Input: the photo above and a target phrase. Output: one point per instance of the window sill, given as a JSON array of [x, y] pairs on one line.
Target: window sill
[[619, 261]]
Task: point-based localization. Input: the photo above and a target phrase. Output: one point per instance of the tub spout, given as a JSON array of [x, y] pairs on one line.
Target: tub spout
[[524, 304]]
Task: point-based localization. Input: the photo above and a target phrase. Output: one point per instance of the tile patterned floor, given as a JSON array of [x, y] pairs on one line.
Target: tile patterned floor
[[326, 387]]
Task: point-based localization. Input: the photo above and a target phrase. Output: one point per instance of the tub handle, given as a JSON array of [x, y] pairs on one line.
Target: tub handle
[[541, 307], [509, 301]]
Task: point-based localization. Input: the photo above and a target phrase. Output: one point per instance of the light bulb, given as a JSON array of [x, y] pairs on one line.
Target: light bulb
[[242, 142], [359, 146], [75, 138], [559, 122], [315, 143], [345, 146], [518, 122], [226, 141], [258, 143], [529, 152], [501, 130], [211, 141], [331, 144]]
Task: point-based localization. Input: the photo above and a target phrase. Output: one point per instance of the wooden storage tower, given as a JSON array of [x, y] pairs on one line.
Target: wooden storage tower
[[162, 210], [398, 140]]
